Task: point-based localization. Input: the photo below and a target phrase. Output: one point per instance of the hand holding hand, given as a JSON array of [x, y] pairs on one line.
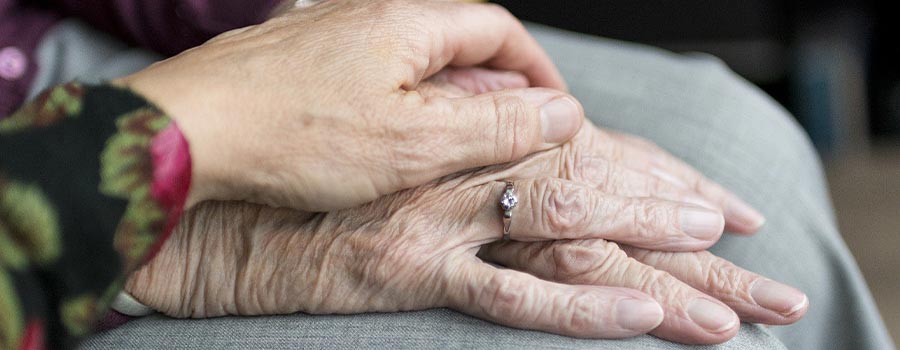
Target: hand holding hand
[[415, 250], [318, 109]]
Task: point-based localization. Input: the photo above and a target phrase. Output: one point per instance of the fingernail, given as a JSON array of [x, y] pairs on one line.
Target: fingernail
[[744, 214], [778, 297], [560, 118], [711, 316], [638, 315], [701, 223]]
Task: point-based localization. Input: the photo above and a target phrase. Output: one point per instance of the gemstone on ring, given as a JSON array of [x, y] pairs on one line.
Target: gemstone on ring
[[509, 200]]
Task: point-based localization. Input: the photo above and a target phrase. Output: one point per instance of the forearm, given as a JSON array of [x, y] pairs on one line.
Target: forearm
[[92, 180]]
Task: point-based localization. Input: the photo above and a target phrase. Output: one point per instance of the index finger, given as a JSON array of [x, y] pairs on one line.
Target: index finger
[[474, 34], [520, 300], [642, 155]]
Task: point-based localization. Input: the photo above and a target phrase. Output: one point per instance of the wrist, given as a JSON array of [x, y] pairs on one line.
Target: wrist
[[177, 178], [191, 274]]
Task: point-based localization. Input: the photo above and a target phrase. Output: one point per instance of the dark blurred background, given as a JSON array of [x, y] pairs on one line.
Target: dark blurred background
[[833, 64]]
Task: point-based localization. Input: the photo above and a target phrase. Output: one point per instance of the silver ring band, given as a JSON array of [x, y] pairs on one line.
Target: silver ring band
[[508, 202]]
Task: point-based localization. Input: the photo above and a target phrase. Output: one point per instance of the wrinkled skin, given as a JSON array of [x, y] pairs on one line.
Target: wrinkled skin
[[417, 249], [317, 109]]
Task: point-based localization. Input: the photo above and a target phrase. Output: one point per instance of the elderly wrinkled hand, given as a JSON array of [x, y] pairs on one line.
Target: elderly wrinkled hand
[[417, 249], [701, 294], [318, 109]]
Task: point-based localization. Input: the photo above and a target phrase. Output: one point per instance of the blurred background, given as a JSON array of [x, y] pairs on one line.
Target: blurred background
[[834, 64]]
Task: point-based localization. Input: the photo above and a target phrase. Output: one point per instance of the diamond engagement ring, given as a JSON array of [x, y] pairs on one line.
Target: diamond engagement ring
[[508, 202]]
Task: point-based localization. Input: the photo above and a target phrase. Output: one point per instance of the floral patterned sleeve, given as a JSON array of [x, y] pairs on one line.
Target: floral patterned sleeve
[[92, 181]]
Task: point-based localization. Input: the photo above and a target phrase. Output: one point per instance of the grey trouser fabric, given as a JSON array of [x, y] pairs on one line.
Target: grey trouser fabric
[[691, 105]]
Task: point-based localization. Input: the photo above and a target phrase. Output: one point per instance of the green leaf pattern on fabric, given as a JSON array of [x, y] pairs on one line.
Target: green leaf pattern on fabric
[[31, 221], [77, 314], [127, 172], [49, 107], [11, 326], [11, 255], [31, 236]]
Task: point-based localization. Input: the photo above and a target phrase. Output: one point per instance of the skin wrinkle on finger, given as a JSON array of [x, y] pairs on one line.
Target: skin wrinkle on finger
[[547, 306], [722, 280], [557, 209], [741, 218], [645, 218], [575, 165], [577, 263], [612, 178], [507, 299], [718, 277], [581, 310], [581, 167], [498, 127], [564, 208], [608, 177], [509, 129], [621, 271]]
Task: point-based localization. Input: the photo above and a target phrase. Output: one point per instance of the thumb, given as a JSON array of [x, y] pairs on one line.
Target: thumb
[[503, 126]]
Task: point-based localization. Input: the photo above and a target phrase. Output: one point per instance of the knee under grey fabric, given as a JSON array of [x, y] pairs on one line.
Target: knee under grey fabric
[[697, 109], [432, 329], [692, 106]]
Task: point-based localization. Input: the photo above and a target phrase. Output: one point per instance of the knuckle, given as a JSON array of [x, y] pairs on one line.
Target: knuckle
[[651, 218], [514, 129], [615, 267], [659, 284], [723, 278], [644, 277], [584, 263], [507, 298], [583, 313], [571, 261], [579, 166], [565, 208]]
